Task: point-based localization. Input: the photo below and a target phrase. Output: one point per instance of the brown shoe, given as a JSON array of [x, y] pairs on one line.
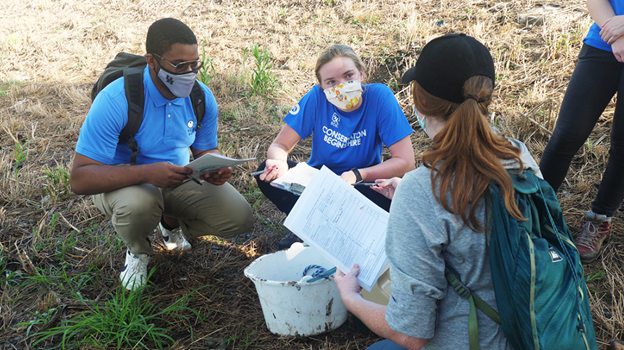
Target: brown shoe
[[594, 230], [616, 345]]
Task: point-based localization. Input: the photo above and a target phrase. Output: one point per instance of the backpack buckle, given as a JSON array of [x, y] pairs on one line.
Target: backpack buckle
[[522, 176], [462, 290], [581, 328]]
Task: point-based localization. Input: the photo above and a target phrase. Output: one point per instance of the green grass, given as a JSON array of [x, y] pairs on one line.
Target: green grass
[[8, 277], [126, 319], [596, 277], [62, 278], [4, 87]]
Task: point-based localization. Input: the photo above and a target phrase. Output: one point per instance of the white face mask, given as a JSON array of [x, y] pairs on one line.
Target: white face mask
[[180, 84], [345, 95]]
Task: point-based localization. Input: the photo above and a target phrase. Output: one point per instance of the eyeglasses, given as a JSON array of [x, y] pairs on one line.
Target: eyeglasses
[[184, 66]]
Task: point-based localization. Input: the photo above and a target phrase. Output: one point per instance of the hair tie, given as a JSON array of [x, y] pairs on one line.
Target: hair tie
[[474, 97]]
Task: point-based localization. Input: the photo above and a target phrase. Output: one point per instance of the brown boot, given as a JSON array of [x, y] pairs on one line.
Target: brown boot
[[616, 345], [594, 230]]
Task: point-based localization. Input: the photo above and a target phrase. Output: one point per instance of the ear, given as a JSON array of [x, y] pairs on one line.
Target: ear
[[151, 61]]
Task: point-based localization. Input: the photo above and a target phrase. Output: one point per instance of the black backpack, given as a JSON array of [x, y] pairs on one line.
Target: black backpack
[[131, 67]]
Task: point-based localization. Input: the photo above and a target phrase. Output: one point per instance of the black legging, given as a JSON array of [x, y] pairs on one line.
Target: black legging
[[285, 200], [596, 78]]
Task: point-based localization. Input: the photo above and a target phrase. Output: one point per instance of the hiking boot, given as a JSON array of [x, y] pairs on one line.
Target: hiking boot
[[288, 240], [174, 239], [594, 230], [134, 273], [616, 345]]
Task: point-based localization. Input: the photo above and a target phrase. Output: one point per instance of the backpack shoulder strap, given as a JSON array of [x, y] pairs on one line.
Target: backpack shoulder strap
[[133, 85], [475, 302], [199, 103]]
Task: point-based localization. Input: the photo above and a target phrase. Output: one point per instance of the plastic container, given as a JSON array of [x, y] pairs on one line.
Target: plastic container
[[292, 306], [380, 294]]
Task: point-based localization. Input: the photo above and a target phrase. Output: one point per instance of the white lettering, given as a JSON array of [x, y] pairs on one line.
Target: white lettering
[[339, 140], [334, 142]]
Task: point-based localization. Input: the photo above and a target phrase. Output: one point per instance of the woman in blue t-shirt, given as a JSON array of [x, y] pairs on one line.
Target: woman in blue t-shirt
[[349, 123], [596, 78]]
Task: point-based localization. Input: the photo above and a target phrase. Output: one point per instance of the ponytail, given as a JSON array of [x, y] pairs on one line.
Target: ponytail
[[465, 156]]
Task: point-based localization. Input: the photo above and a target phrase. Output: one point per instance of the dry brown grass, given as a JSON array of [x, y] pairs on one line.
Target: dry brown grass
[[51, 51]]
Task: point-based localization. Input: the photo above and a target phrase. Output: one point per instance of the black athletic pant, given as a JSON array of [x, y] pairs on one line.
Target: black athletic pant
[[596, 78], [285, 200]]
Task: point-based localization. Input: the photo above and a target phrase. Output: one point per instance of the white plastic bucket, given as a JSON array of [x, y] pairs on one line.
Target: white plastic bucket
[[292, 306]]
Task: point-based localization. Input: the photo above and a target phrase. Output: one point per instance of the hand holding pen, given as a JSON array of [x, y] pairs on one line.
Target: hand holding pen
[[273, 169], [189, 176], [387, 186]]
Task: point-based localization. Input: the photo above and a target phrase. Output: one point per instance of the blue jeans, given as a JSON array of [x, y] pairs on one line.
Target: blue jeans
[[385, 345], [596, 78]]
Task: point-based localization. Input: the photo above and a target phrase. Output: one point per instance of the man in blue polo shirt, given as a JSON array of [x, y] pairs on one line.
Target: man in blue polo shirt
[[156, 192]]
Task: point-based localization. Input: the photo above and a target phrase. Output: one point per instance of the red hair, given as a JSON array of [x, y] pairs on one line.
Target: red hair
[[465, 156]]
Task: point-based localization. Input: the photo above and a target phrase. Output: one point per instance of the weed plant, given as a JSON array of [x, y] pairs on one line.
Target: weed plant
[[127, 319], [207, 72], [263, 81], [57, 183], [20, 154]]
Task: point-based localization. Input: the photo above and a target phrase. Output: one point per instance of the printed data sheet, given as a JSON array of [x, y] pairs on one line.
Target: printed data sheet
[[345, 226]]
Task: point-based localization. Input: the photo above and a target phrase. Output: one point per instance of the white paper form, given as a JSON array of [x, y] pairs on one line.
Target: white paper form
[[341, 223], [211, 162]]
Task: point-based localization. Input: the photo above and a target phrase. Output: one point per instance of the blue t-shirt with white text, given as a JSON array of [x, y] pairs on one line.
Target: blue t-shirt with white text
[[345, 140]]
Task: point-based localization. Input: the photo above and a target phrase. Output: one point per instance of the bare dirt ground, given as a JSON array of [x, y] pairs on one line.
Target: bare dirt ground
[[58, 253]]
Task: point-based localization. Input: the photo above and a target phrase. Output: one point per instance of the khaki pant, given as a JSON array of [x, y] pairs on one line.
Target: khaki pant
[[135, 211]]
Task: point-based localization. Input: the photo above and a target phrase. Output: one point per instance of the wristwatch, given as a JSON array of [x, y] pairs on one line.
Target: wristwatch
[[358, 176]]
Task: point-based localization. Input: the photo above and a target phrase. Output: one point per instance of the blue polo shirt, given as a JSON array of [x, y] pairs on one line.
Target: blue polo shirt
[[167, 130], [593, 36], [345, 140]]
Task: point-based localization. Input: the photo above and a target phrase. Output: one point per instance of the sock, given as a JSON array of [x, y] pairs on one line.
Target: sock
[[164, 224]]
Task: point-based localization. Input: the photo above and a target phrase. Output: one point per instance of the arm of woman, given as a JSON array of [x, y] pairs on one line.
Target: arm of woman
[[401, 162], [600, 11], [373, 315], [277, 153], [611, 26]]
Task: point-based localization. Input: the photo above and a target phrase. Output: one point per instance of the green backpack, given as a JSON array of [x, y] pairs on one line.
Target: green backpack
[[537, 274], [131, 67]]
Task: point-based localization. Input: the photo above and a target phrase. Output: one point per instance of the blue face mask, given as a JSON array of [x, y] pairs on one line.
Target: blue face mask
[[420, 122]]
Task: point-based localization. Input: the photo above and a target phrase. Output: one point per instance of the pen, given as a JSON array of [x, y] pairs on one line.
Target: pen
[[190, 177], [256, 173], [365, 184], [194, 179]]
